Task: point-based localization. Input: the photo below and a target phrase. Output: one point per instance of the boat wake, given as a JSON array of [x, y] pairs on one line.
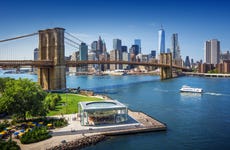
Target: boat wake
[[189, 94], [214, 94], [160, 90]]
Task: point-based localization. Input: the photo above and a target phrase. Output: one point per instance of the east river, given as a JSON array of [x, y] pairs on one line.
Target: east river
[[194, 121]]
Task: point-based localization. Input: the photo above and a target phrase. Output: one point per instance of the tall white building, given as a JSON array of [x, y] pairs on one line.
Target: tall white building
[[161, 40], [212, 51]]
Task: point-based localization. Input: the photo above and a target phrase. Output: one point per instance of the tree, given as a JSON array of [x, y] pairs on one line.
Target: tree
[[213, 71], [23, 97], [51, 101], [3, 83]]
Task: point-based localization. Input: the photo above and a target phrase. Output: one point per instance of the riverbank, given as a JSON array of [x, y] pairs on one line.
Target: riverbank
[[79, 143], [217, 75]]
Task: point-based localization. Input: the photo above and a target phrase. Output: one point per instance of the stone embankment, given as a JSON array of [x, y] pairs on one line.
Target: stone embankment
[[79, 143], [86, 92]]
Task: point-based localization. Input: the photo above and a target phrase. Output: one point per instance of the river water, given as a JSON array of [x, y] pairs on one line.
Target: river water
[[194, 121]]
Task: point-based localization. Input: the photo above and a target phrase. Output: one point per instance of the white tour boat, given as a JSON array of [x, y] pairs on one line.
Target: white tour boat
[[186, 88]]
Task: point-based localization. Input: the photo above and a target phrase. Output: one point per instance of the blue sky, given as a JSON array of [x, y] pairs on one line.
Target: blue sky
[[195, 22]]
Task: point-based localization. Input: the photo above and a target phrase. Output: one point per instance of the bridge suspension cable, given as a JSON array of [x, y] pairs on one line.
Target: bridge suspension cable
[[18, 37], [75, 37], [74, 46], [72, 41]]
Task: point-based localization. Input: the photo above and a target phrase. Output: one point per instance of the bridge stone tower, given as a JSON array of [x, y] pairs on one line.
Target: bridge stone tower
[[51, 47], [166, 71]]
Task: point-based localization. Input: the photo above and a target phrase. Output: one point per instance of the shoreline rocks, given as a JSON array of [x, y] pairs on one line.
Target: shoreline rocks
[[80, 143]]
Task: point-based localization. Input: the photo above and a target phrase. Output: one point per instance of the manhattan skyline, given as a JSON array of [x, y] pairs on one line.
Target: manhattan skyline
[[194, 21]]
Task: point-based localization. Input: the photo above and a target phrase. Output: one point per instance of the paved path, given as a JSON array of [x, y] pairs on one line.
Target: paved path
[[56, 138]]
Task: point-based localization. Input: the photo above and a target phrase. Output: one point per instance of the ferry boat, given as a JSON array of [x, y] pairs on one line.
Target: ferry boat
[[186, 88]]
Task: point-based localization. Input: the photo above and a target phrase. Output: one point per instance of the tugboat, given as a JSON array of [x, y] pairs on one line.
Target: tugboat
[[186, 88]]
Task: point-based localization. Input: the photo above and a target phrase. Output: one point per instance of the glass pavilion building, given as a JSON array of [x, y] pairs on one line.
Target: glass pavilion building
[[102, 112]]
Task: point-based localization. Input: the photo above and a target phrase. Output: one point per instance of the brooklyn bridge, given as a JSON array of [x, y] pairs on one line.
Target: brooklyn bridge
[[51, 63]]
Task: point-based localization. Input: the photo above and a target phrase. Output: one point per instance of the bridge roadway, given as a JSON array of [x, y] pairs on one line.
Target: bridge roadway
[[48, 63]]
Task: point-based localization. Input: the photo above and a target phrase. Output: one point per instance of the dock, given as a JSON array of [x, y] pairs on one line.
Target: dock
[[145, 124]]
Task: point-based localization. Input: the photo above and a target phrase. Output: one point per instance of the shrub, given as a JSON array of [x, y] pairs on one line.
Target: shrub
[[57, 122], [36, 135], [9, 145], [60, 123], [51, 100]]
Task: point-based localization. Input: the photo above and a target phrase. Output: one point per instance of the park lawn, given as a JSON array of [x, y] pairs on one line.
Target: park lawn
[[72, 104]]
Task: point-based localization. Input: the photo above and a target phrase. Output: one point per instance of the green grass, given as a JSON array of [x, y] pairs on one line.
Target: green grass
[[69, 104]]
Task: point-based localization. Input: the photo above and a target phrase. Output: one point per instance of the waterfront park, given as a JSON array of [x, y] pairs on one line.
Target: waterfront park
[[33, 119]]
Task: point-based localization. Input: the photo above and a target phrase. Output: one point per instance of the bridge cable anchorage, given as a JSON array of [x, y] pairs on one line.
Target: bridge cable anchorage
[[76, 38], [19, 37]]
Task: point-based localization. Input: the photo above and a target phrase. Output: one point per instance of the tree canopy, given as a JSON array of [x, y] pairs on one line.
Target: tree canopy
[[3, 83], [23, 97]]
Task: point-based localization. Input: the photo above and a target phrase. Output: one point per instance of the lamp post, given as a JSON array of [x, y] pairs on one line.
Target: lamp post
[[66, 100]]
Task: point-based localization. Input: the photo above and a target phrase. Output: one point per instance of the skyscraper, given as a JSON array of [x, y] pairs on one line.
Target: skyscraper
[[212, 51], [124, 49], [91, 56], [161, 40], [134, 49], [138, 42], [104, 47], [83, 55], [94, 46], [114, 56], [168, 50], [153, 54], [187, 62], [117, 44], [36, 55], [175, 49], [125, 57], [99, 47], [83, 51], [74, 57]]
